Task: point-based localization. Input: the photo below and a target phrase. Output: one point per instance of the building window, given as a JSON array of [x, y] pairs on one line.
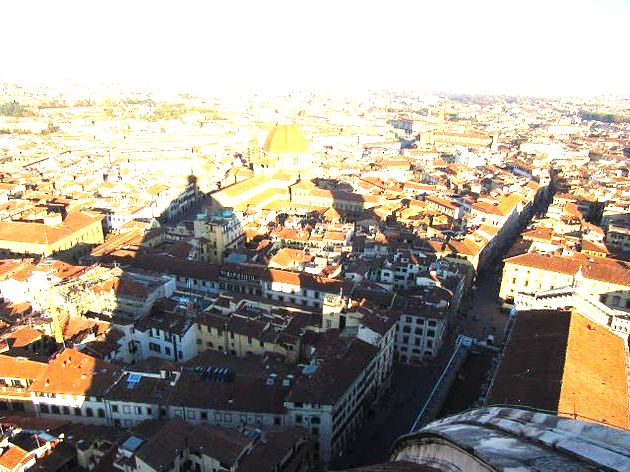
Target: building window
[[89, 412], [77, 411], [149, 411], [55, 410], [203, 415], [66, 410], [101, 413], [126, 409], [44, 408], [138, 410], [115, 408], [155, 347]]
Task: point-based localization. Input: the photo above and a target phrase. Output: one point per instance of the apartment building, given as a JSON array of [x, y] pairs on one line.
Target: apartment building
[[605, 278], [402, 269], [175, 444], [420, 331], [217, 234], [16, 376], [331, 397], [244, 336], [73, 387], [74, 235], [618, 237], [280, 285]]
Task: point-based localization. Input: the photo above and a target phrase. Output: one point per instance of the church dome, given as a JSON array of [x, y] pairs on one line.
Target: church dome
[[286, 139]]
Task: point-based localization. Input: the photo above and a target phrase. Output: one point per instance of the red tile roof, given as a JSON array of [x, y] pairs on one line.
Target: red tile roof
[[605, 270], [73, 373]]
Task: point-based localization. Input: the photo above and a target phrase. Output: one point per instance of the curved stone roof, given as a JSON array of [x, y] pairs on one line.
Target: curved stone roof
[[502, 438], [286, 139]]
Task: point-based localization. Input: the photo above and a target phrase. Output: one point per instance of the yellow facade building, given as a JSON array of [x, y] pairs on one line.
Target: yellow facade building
[[244, 337], [607, 279], [75, 233]]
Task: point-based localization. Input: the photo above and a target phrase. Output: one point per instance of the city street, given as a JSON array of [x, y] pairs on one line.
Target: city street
[[483, 315], [395, 417], [412, 386]]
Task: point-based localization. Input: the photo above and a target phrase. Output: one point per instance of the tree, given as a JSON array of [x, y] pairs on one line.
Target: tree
[[13, 109]]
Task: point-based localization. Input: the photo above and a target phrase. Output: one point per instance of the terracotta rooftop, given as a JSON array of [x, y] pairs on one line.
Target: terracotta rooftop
[[563, 362], [603, 269], [285, 257], [12, 456], [22, 337], [39, 233], [73, 373], [20, 368]]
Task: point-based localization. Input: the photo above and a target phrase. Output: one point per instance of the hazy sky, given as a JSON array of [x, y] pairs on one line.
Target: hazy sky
[[508, 46]]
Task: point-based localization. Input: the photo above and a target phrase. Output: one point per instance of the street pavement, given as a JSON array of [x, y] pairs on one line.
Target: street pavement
[[413, 384], [395, 416], [483, 315]]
